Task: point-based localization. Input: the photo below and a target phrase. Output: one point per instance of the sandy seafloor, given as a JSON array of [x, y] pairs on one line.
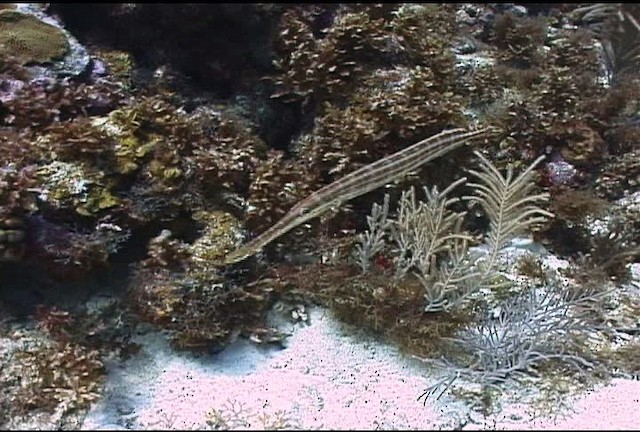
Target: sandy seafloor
[[329, 376]]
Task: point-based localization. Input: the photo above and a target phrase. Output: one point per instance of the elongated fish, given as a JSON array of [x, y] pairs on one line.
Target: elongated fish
[[358, 183]]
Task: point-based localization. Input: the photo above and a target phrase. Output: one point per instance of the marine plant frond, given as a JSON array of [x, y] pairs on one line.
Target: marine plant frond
[[425, 229], [530, 329], [509, 203], [372, 241]]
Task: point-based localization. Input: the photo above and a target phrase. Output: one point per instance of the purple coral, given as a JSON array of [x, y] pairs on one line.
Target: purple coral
[[9, 88], [559, 172], [64, 253]]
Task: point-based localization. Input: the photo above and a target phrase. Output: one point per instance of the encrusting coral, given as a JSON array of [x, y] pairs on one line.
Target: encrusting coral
[[30, 40]]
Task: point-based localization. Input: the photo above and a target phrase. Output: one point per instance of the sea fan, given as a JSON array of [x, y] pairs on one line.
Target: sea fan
[[512, 209], [509, 204], [431, 241]]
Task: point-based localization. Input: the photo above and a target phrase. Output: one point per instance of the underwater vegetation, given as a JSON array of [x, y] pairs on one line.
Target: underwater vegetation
[[617, 28], [535, 96], [430, 238], [172, 159], [528, 330]]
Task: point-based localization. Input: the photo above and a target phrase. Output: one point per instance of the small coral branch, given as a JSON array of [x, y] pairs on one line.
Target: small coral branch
[[372, 240]]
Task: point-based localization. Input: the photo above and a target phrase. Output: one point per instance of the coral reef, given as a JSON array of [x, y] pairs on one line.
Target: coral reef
[[229, 155], [275, 187], [376, 80], [359, 182], [180, 287], [195, 127], [325, 67]]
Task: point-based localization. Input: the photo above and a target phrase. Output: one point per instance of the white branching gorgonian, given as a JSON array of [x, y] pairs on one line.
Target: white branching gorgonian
[[531, 328], [431, 242], [372, 240]]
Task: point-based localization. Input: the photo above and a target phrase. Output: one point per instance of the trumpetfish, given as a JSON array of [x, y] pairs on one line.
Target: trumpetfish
[[359, 182]]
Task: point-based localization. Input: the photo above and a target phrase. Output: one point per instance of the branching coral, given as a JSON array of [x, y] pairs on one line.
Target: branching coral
[[364, 82], [325, 67], [41, 103], [560, 99], [528, 330], [34, 135], [150, 133], [49, 376], [77, 140], [229, 155], [275, 187], [392, 108], [120, 65], [410, 102], [161, 159], [547, 90], [423, 33], [357, 43], [429, 237]]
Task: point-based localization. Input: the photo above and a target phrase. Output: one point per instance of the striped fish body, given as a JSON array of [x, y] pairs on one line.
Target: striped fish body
[[359, 182]]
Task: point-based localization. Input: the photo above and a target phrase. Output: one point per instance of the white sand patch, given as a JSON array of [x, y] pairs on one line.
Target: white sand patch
[[613, 407], [328, 377]]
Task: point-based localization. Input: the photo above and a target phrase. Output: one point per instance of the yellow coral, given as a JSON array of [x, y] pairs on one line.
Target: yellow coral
[[30, 40], [120, 63], [71, 185], [221, 234]]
